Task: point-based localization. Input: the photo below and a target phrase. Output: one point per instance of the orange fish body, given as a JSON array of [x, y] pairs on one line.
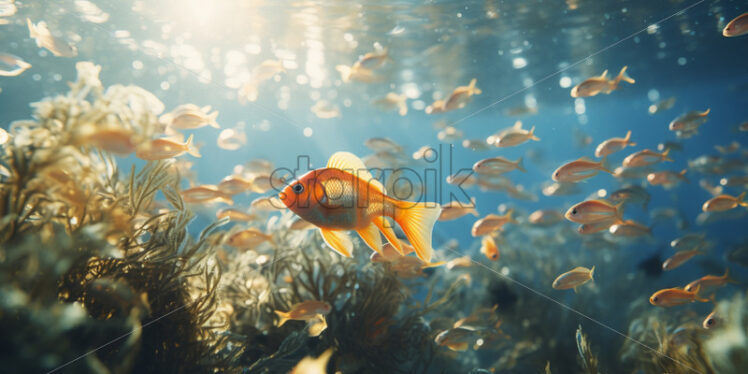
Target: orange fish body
[[675, 296], [578, 170], [722, 203], [593, 211], [613, 145], [710, 281], [344, 196]]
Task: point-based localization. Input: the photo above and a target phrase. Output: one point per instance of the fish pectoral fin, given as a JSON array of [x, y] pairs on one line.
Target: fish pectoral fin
[[339, 241], [370, 235], [386, 228]]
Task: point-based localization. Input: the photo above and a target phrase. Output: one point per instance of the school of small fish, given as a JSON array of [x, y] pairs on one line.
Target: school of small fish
[[344, 196]]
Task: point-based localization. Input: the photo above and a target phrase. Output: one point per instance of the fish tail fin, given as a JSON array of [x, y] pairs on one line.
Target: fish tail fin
[[706, 112], [682, 174], [473, 89], [665, 156], [212, 120], [628, 141], [619, 211], [386, 228], [727, 277], [604, 165], [474, 211], [284, 317], [192, 148], [592, 274], [520, 165], [226, 200], [623, 77], [32, 28], [433, 264], [741, 200], [417, 221], [510, 215], [345, 72], [532, 134]]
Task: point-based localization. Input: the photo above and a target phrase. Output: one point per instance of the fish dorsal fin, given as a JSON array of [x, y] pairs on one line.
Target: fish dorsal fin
[[585, 158], [517, 125], [604, 74], [349, 163], [580, 268]]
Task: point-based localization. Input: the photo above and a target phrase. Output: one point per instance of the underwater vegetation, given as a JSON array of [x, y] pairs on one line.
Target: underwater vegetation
[[115, 259]]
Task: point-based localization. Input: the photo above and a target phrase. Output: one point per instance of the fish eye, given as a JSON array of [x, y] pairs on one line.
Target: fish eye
[[710, 321], [655, 299], [574, 211], [298, 188]]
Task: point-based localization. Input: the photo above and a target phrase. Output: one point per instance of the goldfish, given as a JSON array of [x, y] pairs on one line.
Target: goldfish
[[513, 136], [266, 70], [724, 202], [673, 297], [44, 39], [709, 187], [629, 228], [735, 181], [708, 282], [113, 139], [303, 311], [234, 184], [206, 194], [597, 226], [325, 110], [578, 170], [736, 27], [235, 215], [661, 105], [383, 145], [689, 121], [373, 60], [727, 149], [631, 194], [680, 258], [457, 338], [461, 96], [267, 204], [614, 145], [393, 101], [352, 73], [497, 166], [436, 107], [574, 278], [712, 320], [521, 110], [489, 249], [596, 85], [673, 146], [667, 179], [561, 189], [299, 224], [190, 116], [491, 223], [475, 144], [248, 238], [456, 209], [12, 66], [334, 199], [545, 217], [645, 158], [460, 262], [231, 139], [483, 317], [591, 211], [424, 152], [449, 134], [411, 267], [163, 148], [689, 241]]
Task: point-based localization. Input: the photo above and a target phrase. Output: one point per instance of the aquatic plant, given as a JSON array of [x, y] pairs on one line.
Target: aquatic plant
[[87, 262]]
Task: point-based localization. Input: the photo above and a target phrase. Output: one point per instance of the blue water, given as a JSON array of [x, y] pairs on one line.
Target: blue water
[[437, 46]]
